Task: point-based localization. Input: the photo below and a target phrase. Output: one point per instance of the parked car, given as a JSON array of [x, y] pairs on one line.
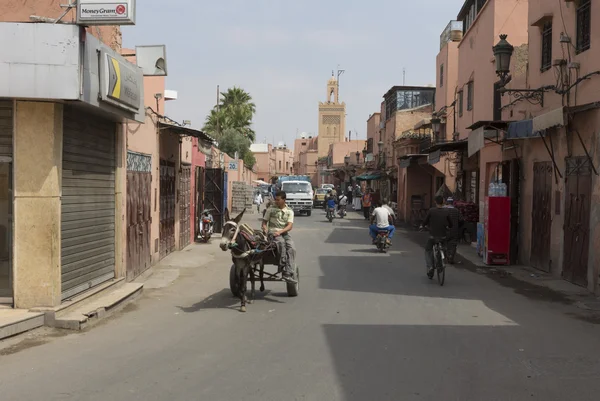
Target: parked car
[[319, 200]]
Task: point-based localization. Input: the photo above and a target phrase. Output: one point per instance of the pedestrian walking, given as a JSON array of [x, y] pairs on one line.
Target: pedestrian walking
[[366, 204], [258, 200]]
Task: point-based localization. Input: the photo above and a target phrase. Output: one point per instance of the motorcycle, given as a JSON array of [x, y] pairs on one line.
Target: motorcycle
[[206, 225], [382, 241], [330, 214]]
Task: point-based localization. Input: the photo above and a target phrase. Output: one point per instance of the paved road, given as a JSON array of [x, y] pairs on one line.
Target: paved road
[[366, 326]]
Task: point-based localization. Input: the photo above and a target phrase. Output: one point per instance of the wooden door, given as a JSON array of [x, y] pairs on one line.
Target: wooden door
[[578, 188], [139, 220], [167, 208], [541, 216]]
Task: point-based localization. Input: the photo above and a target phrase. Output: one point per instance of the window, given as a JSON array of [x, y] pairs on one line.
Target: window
[[470, 96], [279, 165], [546, 46], [460, 103], [287, 165], [441, 75], [583, 25]]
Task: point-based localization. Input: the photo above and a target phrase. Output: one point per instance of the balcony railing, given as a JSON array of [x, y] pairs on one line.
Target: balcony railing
[[452, 33]]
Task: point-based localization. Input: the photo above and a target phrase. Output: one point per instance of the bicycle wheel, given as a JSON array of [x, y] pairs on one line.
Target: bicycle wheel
[[441, 267]]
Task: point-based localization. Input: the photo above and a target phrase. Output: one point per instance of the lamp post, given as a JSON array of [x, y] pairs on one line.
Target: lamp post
[[317, 171], [357, 157], [436, 125], [380, 145], [503, 52]]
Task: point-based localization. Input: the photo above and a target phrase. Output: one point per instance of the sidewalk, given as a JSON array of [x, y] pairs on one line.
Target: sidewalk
[[525, 280]]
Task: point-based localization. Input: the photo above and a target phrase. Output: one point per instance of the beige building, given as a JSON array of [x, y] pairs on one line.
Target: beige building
[[332, 119], [272, 161]]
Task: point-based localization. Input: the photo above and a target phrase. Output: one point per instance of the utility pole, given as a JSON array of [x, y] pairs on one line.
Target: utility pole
[[218, 108]]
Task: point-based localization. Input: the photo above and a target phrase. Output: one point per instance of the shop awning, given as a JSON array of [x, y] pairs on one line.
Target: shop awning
[[448, 146], [205, 141], [520, 130], [406, 160], [482, 130], [552, 119], [371, 175]]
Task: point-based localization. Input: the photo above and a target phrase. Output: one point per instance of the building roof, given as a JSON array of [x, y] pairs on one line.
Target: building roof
[[408, 88]]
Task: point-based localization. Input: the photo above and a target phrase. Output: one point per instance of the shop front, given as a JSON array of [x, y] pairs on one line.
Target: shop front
[[62, 164]]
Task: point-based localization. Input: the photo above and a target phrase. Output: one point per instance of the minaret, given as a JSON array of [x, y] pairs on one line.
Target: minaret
[[332, 118]]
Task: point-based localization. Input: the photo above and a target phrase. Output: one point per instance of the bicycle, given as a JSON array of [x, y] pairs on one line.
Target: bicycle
[[439, 256]]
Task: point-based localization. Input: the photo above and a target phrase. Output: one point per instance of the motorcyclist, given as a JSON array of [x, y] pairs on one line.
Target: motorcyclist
[[342, 204], [278, 221], [206, 215], [330, 202], [382, 218], [438, 219]]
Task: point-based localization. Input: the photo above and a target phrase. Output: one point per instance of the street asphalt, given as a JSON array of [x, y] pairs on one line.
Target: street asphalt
[[366, 326]]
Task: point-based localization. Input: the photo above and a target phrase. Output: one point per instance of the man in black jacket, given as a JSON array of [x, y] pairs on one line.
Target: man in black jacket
[[438, 219]]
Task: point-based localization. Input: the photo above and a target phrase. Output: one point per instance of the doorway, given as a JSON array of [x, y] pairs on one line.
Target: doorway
[[6, 220]]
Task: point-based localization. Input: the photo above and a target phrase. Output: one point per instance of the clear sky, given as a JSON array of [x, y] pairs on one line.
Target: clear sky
[[282, 52]]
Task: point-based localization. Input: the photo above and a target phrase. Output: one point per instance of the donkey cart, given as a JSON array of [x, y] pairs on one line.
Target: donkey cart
[[251, 250]]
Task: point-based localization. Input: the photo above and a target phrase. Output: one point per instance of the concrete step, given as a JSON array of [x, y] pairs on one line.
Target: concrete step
[[85, 313], [17, 321]]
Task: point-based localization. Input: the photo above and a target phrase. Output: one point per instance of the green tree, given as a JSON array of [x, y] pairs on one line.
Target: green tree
[[231, 141], [234, 111]]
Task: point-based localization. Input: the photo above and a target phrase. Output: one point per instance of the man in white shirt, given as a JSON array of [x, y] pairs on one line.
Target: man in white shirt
[[386, 206], [382, 217], [342, 204]]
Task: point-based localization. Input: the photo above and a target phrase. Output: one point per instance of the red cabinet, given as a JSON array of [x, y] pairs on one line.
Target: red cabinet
[[496, 250]]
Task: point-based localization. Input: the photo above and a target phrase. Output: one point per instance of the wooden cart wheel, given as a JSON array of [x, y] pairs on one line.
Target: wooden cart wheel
[[292, 289], [234, 284]]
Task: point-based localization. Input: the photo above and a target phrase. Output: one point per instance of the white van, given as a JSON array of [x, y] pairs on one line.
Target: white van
[[299, 196]]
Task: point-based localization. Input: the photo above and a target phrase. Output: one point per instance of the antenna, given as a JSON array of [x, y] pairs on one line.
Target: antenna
[[339, 73], [403, 76]]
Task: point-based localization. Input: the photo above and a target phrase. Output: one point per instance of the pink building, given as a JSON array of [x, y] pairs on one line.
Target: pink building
[[272, 161], [478, 103], [556, 139], [343, 161]]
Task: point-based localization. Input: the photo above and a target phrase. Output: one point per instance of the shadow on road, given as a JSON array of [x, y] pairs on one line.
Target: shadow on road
[[224, 300]]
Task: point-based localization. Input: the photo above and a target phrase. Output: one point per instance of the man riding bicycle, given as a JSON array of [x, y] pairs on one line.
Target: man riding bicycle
[[438, 219], [278, 221]]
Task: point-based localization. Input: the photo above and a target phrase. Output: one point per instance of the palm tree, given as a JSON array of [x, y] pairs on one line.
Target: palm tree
[[235, 111], [237, 97]]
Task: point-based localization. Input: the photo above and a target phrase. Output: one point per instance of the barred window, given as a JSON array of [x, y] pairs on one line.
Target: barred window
[[441, 75], [546, 46], [584, 22], [470, 96]]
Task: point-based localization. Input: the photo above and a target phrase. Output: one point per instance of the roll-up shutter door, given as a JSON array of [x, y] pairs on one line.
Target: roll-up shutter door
[[6, 128], [88, 201]]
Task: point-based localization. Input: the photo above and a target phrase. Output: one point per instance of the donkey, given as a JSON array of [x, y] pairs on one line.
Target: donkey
[[241, 255]]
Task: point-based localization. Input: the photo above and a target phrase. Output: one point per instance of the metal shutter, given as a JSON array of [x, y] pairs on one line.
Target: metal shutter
[[88, 201], [6, 128]]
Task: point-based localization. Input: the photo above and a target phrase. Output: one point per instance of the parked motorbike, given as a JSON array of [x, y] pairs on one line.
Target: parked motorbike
[[206, 225], [382, 241]]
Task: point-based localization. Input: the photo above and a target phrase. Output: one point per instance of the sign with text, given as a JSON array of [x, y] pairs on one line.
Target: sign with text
[[106, 12], [232, 166], [121, 82]]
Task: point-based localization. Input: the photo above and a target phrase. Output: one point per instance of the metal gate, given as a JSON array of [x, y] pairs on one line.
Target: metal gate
[[578, 188], [167, 208], [184, 205], [199, 200], [139, 218], [541, 216], [88, 201], [214, 187]]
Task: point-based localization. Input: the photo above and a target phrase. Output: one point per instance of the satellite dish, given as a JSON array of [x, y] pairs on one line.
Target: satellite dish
[[152, 60]]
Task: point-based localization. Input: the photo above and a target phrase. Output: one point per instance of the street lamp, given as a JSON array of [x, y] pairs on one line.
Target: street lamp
[[503, 52], [436, 124], [357, 157], [364, 152]]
